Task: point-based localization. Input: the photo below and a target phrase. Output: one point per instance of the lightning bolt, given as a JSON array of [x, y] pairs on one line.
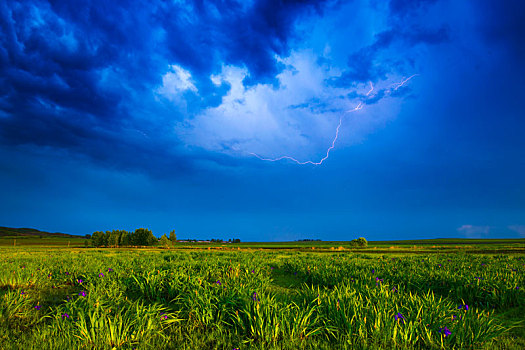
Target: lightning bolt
[[371, 88], [403, 82], [359, 106]]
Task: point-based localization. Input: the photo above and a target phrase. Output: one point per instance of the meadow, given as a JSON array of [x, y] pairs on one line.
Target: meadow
[[247, 297]]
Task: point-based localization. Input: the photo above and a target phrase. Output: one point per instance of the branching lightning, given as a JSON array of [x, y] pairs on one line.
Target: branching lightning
[[359, 106], [403, 82]]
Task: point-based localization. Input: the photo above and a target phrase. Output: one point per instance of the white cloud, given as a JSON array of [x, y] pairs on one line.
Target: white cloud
[[298, 118], [174, 82], [472, 231], [520, 229]]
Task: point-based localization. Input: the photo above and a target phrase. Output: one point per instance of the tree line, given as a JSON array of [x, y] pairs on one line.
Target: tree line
[[123, 238]]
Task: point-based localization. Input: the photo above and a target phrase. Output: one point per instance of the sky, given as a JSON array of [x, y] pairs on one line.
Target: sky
[[264, 120]]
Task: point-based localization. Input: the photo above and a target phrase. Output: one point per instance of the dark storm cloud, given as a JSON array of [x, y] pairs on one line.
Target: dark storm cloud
[[503, 23], [406, 31], [72, 74], [405, 8]]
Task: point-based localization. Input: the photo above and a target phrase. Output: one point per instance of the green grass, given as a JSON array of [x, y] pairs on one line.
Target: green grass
[[190, 298]]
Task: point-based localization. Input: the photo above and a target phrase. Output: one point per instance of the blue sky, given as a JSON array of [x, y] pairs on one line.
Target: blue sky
[[173, 115]]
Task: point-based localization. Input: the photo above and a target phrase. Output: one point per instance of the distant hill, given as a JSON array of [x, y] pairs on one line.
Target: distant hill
[[19, 232]]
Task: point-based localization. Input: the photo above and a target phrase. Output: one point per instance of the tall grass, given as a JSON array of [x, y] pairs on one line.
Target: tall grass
[[226, 300]]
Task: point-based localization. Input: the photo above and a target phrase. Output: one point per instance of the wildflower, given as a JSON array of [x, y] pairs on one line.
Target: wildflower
[[101, 275], [38, 307], [79, 281], [163, 316], [82, 294], [110, 270], [394, 289], [399, 317], [463, 306], [253, 271], [65, 315], [48, 275], [67, 273], [218, 282], [373, 271], [446, 332], [22, 293], [255, 297]]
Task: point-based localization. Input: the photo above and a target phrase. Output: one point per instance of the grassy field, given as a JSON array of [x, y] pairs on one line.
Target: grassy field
[[250, 297]]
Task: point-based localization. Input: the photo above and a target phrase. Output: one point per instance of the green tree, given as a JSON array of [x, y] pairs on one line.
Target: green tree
[[362, 242], [114, 238], [173, 237], [124, 238], [106, 238], [144, 237], [97, 239], [164, 241]]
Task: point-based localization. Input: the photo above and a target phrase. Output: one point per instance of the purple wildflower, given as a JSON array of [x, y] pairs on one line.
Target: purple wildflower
[[101, 275], [399, 317], [373, 271], [163, 316], [446, 332], [38, 307], [22, 293], [253, 271], [79, 281], [218, 282], [82, 294], [67, 273], [65, 315], [255, 297], [463, 306], [110, 270]]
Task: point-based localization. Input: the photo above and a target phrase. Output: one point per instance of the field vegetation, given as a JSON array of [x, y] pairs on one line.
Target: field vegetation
[[246, 297]]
